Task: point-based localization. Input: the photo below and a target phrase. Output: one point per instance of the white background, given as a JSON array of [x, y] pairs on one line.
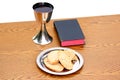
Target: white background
[[21, 10]]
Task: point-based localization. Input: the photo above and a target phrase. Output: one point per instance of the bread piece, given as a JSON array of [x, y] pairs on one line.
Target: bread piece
[[65, 60], [71, 54], [53, 57], [55, 67]]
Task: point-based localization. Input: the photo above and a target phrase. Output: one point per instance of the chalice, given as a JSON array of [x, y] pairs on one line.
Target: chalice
[[43, 12]]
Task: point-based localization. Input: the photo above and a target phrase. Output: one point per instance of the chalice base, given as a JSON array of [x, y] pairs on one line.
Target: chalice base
[[42, 38]]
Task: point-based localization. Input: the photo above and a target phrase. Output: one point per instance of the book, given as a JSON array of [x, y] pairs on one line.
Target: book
[[69, 32]]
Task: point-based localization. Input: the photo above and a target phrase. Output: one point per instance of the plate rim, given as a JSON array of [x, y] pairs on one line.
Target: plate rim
[[38, 59]]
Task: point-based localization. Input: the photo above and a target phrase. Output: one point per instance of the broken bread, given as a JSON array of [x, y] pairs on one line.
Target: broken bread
[[55, 67], [53, 57], [70, 54], [65, 60], [58, 60]]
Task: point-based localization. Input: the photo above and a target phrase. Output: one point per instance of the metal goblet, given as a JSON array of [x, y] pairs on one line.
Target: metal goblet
[[43, 12]]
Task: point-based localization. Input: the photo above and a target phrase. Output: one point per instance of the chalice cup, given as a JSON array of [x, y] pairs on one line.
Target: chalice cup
[[43, 12]]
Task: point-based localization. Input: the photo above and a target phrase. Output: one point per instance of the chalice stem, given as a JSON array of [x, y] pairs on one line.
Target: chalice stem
[[44, 33]]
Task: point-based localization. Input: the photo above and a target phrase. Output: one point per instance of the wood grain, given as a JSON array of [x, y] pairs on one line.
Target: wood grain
[[101, 52]]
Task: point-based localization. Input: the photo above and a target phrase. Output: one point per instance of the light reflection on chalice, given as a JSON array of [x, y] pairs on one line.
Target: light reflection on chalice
[[43, 12]]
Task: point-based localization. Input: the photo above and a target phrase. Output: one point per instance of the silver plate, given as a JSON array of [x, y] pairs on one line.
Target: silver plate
[[44, 53]]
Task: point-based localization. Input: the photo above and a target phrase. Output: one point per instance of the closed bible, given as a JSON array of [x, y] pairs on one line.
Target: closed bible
[[69, 32]]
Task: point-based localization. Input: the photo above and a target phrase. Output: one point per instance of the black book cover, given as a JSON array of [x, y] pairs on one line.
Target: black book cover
[[69, 32]]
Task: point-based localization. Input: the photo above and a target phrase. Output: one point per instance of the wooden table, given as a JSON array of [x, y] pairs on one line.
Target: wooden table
[[101, 52]]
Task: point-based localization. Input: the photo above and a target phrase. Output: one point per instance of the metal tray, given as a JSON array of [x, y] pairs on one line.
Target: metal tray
[[78, 64]]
